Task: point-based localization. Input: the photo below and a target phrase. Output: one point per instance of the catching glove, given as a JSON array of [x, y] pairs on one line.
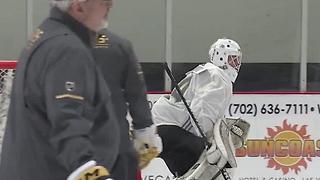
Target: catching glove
[[90, 171], [148, 145]]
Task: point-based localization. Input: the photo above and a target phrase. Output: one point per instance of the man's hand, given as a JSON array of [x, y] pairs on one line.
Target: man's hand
[[90, 171], [148, 145]]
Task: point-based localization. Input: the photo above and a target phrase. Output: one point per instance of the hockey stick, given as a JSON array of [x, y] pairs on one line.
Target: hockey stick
[[223, 171]]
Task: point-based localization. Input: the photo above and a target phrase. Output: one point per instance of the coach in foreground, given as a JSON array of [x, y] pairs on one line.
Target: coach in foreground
[[61, 124]]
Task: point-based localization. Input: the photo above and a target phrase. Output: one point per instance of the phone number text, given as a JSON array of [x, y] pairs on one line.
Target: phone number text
[[273, 109]]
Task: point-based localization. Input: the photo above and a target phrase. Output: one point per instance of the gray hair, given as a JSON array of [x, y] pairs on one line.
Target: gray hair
[[63, 5]]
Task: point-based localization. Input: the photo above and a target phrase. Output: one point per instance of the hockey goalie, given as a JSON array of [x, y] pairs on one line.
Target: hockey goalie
[[202, 149]]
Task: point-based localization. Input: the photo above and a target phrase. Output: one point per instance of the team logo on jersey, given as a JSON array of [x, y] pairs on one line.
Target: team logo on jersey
[[70, 86], [35, 37], [102, 41]]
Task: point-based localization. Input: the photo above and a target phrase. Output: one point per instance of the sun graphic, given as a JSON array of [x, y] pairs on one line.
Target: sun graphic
[[288, 133]]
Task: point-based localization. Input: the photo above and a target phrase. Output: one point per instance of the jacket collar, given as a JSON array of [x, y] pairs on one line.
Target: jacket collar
[[75, 26]]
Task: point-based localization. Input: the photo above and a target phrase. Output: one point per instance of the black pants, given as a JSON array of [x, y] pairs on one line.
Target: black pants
[[181, 149], [126, 165]]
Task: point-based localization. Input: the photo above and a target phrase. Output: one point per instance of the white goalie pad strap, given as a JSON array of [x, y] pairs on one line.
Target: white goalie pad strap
[[228, 134], [224, 143], [202, 170]]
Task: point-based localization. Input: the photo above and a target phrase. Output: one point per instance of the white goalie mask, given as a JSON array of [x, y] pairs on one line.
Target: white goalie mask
[[226, 54]]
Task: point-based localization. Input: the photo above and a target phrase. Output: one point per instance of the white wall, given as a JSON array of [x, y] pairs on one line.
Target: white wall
[[268, 30]]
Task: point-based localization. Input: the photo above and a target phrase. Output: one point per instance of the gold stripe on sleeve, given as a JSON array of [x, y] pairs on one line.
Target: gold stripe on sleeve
[[62, 96]]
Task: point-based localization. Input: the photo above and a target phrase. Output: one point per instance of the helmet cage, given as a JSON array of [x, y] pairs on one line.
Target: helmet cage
[[226, 54], [234, 61]]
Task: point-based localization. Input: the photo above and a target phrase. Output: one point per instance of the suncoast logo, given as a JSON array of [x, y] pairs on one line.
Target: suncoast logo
[[288, 148]]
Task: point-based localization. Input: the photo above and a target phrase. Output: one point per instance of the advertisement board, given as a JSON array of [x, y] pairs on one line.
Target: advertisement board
[[283, 142]]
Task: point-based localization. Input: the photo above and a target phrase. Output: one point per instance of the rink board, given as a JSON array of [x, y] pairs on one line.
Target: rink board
[[283, 143]]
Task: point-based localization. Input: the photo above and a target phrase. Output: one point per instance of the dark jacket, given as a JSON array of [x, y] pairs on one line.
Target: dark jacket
[[116, 59], [124, 76], [60, 114]]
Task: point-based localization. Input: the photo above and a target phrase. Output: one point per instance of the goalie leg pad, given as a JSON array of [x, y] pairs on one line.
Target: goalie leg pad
[[224, 142], [201, 170]]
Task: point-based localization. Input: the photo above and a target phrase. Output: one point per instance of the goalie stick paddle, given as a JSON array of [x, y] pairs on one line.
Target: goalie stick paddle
[[223, 171]]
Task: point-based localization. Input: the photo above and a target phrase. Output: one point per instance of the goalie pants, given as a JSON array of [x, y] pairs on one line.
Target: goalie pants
[[181, 149]]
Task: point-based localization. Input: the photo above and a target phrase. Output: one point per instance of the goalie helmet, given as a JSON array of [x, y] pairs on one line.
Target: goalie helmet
[[226, 54]]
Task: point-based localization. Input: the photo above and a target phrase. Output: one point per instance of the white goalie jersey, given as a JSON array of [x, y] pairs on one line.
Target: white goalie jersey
[[207, 90]]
